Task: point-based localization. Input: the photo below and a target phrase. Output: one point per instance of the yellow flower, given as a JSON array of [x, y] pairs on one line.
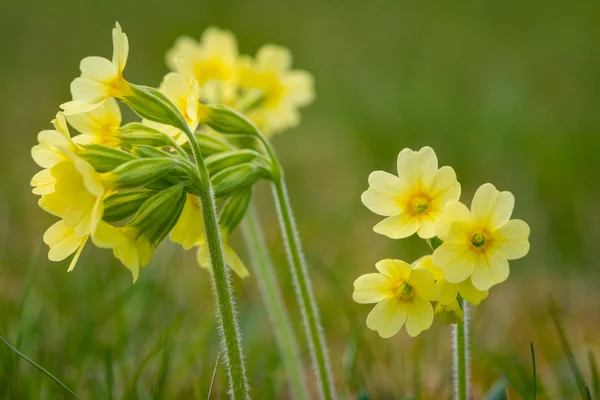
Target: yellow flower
[[183, 90], [189, 233], [72, 190], [100, 125], [212, 61], [100, 78], [281, 91], [414, 200], [448, 291], [131, 248], [403, 295], [53, 145], [478, 243]]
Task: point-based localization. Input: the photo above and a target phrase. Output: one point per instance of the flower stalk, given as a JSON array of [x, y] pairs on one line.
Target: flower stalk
[[266, 277], [461, 355]]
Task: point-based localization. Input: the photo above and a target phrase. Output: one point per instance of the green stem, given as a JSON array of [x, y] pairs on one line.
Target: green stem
[[461, 355], [226, 309], [264, 271]]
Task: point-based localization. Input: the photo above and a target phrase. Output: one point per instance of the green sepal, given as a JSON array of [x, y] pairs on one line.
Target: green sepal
[[136, 133], [122, 205], [209, 144], [237, 177], [220, 161], [159, 214], [179, 174], [234, 209], [104, 158], [140, 172], [151, 104], [449, 314], [226, 120]]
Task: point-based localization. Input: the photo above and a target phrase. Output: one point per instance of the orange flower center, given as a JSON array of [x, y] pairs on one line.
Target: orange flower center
[[404, 291], [418, 204]]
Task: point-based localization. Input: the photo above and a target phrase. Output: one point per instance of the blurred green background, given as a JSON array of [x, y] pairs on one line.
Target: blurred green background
[[505, 92]]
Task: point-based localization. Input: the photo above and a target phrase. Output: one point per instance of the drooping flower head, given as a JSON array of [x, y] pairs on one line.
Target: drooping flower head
[[403, 294], [414, 200], [276, 90], [212, 62], [100, 78], [479, 242], [99, 126]]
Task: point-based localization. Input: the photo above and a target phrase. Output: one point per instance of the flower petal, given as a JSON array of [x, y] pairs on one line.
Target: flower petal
[[426, 227], [398, 227], [456, 260], [512, 239], [87, 94], [371, 288], [427, 165], [419, 316], [407, 166], [273, 58], [421, 280], [62, 241], [491, 206], [470, 293], [97, 69], [234, 262], [380, 203], [445, 187], [299, 87], [120, 48], [490, 270], [100, 121], [396, 270], [448, 292], [387, 317], [453, 211]]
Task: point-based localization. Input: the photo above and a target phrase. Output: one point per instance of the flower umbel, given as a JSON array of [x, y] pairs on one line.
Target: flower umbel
[[479, 242], [414, 200], [403, 294]]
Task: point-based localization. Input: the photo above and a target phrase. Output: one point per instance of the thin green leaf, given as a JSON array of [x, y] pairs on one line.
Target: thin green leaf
[[39, 367], [595, 376], [534, 372]]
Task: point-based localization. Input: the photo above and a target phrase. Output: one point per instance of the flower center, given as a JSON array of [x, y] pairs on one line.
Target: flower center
[[478, 239], [419, 204], [404, 291]]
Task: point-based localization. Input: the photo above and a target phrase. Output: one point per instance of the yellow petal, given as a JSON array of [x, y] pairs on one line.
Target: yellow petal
[[107, 236], [77, 254], [398, 227], [100, 121], [189, 229], [97, 69], [396, 270], [426, 226], [76, 106], [419, 316], [371, 288], [45, 157], [490, 270], [234, 262], [453, 211], [88, 94], [492, 207], [444, 187], [273, 58], [299, 87], [62, 241], [512, 239], [53, 204], [427, 263], [387, 317], [407, 166], [423, 284], [448, 291], [456, 260], [470, 293], [120, 48], [427, 165], [43, 182], [380, 203]]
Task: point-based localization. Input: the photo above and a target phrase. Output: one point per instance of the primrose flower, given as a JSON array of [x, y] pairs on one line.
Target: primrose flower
[[448, 291], [183, 90], [72, 190], [100, 125], [100, 78], [189, 233], [278, 90], [414, 200], [479, 242], [403, 294], [212, 62]]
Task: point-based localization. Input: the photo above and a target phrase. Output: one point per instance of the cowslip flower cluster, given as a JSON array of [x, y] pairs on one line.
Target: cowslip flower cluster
[[471, 247], [126, 187], [265, 88]]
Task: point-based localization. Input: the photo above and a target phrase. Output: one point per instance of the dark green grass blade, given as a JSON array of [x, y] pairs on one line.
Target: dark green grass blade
[[39, 367], [581, 385], [595, 376], [534, 372], [158, 391]]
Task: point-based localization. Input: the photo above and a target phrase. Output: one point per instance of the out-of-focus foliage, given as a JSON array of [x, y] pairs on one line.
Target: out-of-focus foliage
[[506, 92]]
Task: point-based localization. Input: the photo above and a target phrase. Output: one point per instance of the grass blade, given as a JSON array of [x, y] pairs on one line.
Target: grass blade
[[581, 385], [214, 375], [534, 372], [39, 367], [595, 376]]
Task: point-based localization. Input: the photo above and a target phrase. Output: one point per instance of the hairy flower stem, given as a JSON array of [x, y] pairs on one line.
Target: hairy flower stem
[[264, 271], [461, 355], [226, 309], [304, 293]]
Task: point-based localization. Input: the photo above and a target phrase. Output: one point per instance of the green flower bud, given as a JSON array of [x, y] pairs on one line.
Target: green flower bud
[[139, 173], [104, 158], [138, 133], [177, 175], [122, 205], [226, 120], [219, 162], [449, 314], [158, 214], [151, 104], [234, 209], [209, 144], [237, 177]]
